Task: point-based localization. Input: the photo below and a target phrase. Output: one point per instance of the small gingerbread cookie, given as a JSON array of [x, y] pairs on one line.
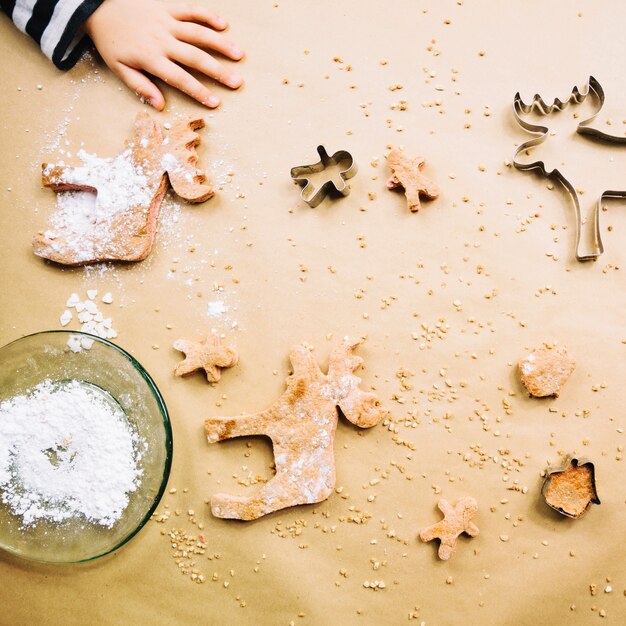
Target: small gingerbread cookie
[[209, 355], [118, 223], [545, 370], [407, 175], [301, 425], [456, 520]]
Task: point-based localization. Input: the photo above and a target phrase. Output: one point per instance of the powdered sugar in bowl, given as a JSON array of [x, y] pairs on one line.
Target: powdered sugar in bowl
[[85, 447]]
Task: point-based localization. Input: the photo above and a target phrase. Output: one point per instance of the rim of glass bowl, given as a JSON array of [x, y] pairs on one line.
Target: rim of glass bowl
[[169, 444]]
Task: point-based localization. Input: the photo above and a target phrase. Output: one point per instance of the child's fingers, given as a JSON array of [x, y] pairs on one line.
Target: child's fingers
[[191, 12], [206, 38], [141, 85], [177, 77], [203, 62]]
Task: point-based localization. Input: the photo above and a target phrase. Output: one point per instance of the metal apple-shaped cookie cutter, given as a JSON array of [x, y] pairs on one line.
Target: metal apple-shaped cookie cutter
[[570, 488], [313, 195]]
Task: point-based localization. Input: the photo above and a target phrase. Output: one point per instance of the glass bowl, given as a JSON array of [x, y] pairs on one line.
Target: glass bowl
[[28, 361]]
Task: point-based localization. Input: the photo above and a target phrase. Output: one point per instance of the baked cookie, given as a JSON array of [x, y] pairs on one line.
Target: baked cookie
[[407, 175], [545, 370], [119, 223], [571, 488], [209, 355], [301, 425], [456, 520]]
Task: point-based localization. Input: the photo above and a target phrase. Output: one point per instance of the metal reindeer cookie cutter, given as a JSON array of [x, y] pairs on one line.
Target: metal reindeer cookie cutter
[[577, 97], [313, 195]]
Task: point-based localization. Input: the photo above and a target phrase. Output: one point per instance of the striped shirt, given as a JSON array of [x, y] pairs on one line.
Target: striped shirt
[[56, 25]]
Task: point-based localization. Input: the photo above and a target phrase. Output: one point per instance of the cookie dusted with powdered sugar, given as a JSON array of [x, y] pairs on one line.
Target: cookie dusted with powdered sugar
[[545, 370], [301, 425], [117, 220]]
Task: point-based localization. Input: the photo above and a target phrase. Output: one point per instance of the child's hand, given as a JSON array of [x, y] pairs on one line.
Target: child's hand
[[147, 35]]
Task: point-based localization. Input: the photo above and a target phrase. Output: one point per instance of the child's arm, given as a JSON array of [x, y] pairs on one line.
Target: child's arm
[[133, 37], [140, 36], [55, 26]]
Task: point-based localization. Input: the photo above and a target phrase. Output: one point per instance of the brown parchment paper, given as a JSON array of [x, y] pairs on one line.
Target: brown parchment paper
[[476, 276]]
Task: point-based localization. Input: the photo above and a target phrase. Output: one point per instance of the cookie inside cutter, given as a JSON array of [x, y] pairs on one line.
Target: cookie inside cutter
[[329, 175], [571, 488]]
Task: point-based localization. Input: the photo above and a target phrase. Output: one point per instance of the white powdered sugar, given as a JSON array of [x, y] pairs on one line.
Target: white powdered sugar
[[221, 311], [216, 308], [67, 451], [76, 217], [91, 319], [170, 162], [172, 165], [119, 182], [528, 364], [86, 221]]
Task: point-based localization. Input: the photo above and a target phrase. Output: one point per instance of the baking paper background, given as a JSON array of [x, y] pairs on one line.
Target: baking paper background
[[459, 264]]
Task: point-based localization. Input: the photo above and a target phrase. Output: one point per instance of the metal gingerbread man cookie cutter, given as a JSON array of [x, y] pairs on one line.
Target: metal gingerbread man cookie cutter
[[313, 195], [583, 128]]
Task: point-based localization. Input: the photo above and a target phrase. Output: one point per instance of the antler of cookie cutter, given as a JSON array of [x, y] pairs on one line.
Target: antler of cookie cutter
[[314, 196], [583, 128]]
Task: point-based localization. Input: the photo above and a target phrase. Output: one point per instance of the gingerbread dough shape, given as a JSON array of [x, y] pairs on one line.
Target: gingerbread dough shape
[[301, 425], [456, 520], [545, 370], [120, 225], [209, 355], [407, 175]]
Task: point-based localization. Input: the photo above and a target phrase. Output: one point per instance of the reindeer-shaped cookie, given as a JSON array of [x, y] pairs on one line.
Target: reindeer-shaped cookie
[[301, 425], [121, 224], [589, 155]]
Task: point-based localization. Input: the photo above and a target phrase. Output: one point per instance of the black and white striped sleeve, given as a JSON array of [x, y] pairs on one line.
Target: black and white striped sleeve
[[56, 25]]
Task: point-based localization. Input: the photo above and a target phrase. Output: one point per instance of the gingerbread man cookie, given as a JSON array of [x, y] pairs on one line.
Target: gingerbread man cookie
[[301, 425], [208, 355], [407, 175], [456, 520], [119, 222]]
